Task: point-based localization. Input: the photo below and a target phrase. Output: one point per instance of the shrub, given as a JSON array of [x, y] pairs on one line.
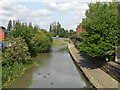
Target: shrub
[[36, 39], [17, 51], [40, 44]]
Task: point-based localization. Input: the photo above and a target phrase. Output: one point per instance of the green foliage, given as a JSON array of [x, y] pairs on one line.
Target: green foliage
[[24, 41], [101, 25], [56, 30], [14, 57], [71, 32], [62, 32], [11, 72], [40, 44], [67, 40], [1, 27], [30, 33], [58, 43], [47, 34], [18, 51], [9, 25], [119, 23], [74, 36]]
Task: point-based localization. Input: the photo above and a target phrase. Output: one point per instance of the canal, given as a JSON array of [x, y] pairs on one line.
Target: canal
[[55, 69]]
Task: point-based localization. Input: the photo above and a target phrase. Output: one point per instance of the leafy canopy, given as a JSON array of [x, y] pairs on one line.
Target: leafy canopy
[[101, 25]]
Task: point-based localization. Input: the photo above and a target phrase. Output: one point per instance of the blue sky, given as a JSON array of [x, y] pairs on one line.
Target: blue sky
[[68, 12]]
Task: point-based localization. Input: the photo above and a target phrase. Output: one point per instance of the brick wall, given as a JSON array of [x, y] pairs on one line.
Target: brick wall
[[2, 35], [79, 29]]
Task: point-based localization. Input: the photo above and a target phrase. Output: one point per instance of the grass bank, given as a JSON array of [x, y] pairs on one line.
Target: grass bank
[[18, 71], [59, 43], [67, 40]]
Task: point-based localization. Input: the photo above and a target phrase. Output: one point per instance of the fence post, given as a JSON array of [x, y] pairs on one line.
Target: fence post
[[117, 56]]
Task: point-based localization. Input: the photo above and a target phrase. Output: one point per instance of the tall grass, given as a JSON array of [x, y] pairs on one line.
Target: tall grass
[[11, 72]]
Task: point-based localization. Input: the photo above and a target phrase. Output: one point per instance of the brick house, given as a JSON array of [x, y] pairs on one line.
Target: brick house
[[79, 29], [3, 34]]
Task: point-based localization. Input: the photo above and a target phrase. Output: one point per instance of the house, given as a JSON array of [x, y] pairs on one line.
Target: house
[[3, 34], [79, 29]]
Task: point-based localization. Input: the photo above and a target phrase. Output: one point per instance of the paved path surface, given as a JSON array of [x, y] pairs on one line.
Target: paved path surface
[[96, 76]]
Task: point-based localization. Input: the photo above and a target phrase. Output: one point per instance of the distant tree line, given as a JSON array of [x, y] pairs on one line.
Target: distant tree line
[[56, 30]]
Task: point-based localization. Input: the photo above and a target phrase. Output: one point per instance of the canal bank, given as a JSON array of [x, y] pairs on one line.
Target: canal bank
[[95, 75], [55, 70]]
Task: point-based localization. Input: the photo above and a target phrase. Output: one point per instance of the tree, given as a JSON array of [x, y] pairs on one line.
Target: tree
[[54, 27], [119, 21], [1, 27], [101, 25], [30, 25], [56, 30], [50, 28], [32, 36], [66, 34], [71, 32], [9, 25], [40, 44], [62, 32], [13, 25], [58, 27]]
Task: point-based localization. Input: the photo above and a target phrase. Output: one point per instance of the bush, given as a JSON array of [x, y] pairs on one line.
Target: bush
[[40, 44], [36, 39], [17, 51]]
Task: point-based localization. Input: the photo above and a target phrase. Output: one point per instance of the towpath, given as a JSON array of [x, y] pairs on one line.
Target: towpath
[[96, 76]]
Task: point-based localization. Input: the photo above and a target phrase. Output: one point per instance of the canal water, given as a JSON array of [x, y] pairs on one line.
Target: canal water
[[55, 70]]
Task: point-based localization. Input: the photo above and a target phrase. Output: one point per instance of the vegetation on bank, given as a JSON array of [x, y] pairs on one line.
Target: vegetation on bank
[[67, 40], [37, 40], [102, 30], [25, 41], [59, 43]]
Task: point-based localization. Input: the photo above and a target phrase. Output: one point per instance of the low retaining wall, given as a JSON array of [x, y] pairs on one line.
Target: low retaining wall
[[90, 84], [111, 68]]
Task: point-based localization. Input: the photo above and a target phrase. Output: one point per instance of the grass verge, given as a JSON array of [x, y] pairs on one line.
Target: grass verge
[[59, 43]]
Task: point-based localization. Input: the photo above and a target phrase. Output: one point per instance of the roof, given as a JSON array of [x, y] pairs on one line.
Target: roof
[[4, 30]]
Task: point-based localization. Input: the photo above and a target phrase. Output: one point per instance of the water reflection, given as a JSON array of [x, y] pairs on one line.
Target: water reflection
[[56, 70]]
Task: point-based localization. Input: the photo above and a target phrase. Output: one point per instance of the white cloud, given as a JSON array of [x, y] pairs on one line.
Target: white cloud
[[68, 12], [71, 13], [61, 0], [10, 10], [42, 12]]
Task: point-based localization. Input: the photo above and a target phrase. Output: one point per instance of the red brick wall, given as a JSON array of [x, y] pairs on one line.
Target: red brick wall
[[79, 29], [2, 35]]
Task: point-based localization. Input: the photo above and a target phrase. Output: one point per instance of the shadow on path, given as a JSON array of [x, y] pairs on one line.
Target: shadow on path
[[90, 62]]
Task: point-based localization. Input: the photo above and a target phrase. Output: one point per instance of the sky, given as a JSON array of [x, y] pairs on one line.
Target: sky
[[44, 12]]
